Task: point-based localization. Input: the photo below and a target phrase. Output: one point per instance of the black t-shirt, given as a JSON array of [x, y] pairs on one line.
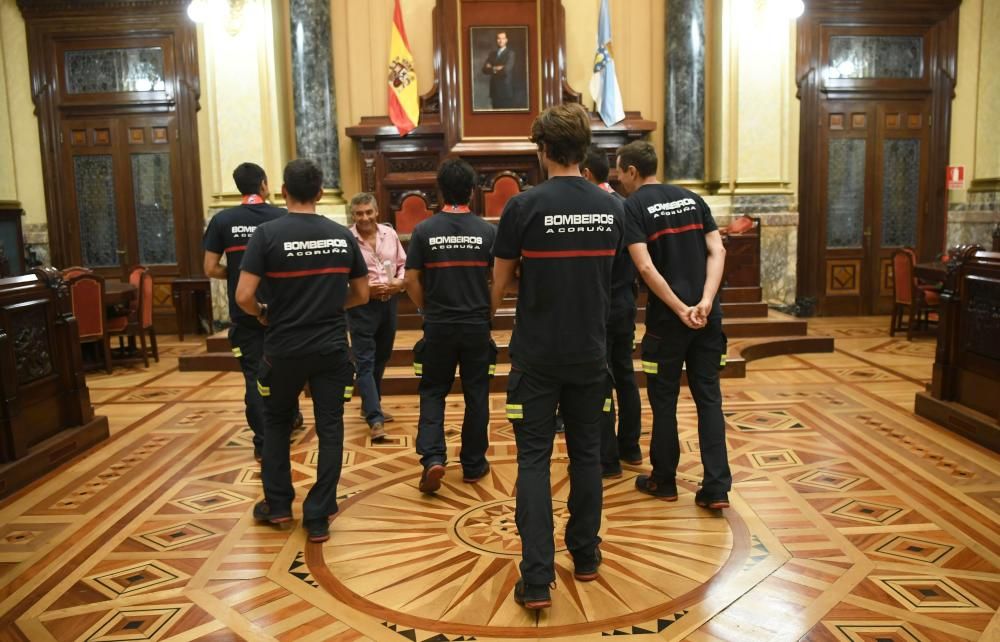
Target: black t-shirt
[[228, 233], [306, 260], [672, 222], [623, 285], [566, 232], [453, 253]]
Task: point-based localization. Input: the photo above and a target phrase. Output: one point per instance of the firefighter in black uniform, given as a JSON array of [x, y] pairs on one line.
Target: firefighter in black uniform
[[314, 270], [447, 276], [678, 251], [227, 235], [621, 343], [564, 234]]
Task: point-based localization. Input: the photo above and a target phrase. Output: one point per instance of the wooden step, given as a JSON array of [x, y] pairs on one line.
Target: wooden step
[[218, 342], [742, 295], [208, 362]]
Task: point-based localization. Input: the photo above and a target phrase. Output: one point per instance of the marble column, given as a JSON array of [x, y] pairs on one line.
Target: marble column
[[314, 100], [684, 121]]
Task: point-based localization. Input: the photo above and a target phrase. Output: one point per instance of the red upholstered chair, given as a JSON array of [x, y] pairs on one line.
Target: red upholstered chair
[[504, 186], [87, 293], [919, 299], [70, 272], [412, 209], [740, 225], [139, 321]]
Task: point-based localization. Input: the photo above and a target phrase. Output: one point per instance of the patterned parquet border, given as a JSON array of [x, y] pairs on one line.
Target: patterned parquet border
[[859, 522]]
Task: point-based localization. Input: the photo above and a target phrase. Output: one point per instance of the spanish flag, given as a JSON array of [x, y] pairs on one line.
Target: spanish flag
[[404, 101]]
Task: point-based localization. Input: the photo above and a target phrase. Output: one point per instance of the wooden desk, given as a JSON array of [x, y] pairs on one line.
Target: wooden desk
[[934, 272], [198, 288], [118, 293]]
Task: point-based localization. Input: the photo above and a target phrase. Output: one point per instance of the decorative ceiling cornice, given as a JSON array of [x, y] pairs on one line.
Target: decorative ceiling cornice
[[51, 6]]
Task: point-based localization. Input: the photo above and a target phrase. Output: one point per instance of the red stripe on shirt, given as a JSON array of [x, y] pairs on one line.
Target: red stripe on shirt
[[297, 273], [447, 264], [235, 248], [676, 230], [565, 254]]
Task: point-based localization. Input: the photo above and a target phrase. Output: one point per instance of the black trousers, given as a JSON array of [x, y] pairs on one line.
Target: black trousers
[[330, 378], [620, 342], [663, 358], [471, 349], [248, 346], [373, 332], [581, 391]]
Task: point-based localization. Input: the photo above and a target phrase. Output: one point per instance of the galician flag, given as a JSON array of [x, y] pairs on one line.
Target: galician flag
[[604, 82], [404, 101]]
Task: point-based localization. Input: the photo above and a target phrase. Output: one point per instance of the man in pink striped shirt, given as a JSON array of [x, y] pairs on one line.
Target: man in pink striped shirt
[[373, 326]]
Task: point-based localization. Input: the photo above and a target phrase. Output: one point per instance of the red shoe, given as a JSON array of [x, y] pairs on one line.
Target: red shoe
[[430, 479]]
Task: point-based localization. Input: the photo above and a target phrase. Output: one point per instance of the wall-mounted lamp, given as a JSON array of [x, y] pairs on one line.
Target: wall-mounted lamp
[[228, 12]]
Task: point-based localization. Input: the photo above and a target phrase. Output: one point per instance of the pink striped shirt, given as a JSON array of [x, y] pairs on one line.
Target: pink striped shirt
[[387, 248]]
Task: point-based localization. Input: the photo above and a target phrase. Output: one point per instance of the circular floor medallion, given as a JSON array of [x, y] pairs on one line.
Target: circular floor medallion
[[448, 563]]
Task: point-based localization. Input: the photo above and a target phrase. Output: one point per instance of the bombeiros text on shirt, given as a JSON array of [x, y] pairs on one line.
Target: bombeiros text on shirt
[[672, 207], [569, 223], [315, 247]]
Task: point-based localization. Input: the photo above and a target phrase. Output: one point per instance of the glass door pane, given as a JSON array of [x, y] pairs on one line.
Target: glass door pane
[[845, 197], [154, 209], [94, 179], [900, 191]]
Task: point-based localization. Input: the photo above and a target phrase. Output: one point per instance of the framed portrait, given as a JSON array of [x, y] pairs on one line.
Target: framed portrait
[[499, 68]]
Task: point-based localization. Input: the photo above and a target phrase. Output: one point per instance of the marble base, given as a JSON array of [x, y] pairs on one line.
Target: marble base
[[973, 222], [779, 238], [36, 235]]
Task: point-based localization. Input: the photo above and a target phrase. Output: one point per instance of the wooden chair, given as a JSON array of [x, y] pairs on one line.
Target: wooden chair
[[139, 321], [504, 186], [87, 293], [919, 299], [413, 208]]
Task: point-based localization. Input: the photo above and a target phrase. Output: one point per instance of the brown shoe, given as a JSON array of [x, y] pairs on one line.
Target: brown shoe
[[386, 417], [377, 431], [430, 479]]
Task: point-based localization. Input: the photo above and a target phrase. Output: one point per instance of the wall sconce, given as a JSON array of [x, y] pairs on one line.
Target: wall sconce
[[228, 12]]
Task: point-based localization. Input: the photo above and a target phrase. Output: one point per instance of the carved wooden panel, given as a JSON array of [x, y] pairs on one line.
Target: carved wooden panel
[[893, 121], [410, 164], [859, 121], [102, 136], [160, 135], [32, 350], [981, 316], [836, 121], [843, 277], [885, 275], [78, 137], [914, 121], [136, 135]]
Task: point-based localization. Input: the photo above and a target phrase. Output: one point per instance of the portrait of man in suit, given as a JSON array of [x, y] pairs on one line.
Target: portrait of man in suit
[[500, 80]]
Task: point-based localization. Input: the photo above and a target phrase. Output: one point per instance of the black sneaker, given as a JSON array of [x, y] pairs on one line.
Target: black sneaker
[[262, 512], [587, 571], [611, 473], [646, 484], [711, 503], [560, 425], [299, 421], [318, 529], [472, 479], [532, 596], [430, 479], [258, 455]]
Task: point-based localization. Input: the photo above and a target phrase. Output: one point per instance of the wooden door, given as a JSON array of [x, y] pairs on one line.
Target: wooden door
[[122, 173], [873, 197]]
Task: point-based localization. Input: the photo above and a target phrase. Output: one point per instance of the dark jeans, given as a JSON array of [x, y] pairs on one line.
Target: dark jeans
[[533, 393], [282, 380], [373, 331], [703, 351], [444, 347], [621, 335]]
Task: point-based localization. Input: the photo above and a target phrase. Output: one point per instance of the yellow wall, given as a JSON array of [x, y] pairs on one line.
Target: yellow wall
[[20, 152], [988, 110]]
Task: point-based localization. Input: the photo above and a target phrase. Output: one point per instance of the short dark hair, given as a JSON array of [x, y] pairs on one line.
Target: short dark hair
[[563, 132], [303, 179], [597, 162], [248, 177], [639, 154], [455, 181]]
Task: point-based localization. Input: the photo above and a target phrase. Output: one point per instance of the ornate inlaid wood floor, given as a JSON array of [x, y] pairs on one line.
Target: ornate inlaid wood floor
[[852, 520]]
